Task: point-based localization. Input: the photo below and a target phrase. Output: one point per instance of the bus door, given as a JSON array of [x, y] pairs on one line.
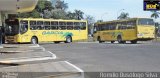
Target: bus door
[[121, 31], [24, 31], [131, 29]]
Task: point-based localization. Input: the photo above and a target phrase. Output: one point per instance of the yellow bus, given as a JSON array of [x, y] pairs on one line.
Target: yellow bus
[[132, 29], [35, 30]]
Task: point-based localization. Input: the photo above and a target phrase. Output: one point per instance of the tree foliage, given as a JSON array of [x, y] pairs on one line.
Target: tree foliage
[[91, 21], [123, 15], [155, 14], [61, 5], [46, 9], [79, 14]]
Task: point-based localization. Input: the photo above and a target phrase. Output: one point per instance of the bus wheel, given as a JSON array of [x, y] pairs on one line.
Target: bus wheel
[[68, 39], [123, 42], [34, 40], [119, 39], [112, 41], [99, 40], [134, 42]]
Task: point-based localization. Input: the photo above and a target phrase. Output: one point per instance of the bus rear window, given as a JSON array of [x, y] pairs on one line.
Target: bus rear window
[[145, 22]]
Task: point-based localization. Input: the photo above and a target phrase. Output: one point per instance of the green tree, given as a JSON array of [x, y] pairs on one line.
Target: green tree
[[123, 15], [59, 12], [71, 15], [91, 21], [46, 9], [79, 14], [61, 5], [155, 14]]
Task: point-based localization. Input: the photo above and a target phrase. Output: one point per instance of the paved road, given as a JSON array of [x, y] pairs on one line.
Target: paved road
[[35, 62], [107, 57]]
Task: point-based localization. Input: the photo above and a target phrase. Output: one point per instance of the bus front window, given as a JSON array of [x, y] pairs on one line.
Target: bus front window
[[146, 22], [11, 27], [11, 30]]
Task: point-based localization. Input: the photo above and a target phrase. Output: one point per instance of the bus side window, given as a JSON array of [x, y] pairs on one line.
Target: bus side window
[[40, 25], [107, 26], [69, 25], [54, 25], [103, 27], [131, 24], [62, 26], [119, 27], [83, 25], [124, 27], [47, 25], [112, 27], [76, 26], [99, 28], [33, 25]]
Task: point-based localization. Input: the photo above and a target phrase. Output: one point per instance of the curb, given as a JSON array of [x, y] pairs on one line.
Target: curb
[[21, 60]]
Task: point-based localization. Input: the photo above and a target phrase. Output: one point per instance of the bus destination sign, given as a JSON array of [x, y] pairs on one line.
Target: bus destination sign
[[151, 5]]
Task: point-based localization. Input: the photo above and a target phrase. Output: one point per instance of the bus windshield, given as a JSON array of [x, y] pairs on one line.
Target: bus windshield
[[145, 22], [12, 27]]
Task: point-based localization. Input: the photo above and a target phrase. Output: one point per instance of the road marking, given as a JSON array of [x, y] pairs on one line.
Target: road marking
[[1, 46], [37, 45], [14, 60], [80, 70], [43, 48], [25, 60], [16, 51], [53, 55]]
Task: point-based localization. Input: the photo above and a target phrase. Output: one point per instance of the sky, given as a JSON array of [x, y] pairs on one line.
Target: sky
[[109, 9]]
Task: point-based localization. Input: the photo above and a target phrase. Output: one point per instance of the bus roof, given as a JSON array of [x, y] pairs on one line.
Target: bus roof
[[42, 19], [129, 19]]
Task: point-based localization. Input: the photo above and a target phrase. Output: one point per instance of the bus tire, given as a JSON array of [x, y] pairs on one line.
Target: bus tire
[[112, 41], [134, 42], [123, 42], [68, 39], [34, 40], [99, 40], [119, 39]]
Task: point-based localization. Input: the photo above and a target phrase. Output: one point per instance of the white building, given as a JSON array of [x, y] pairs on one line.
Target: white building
[[15, 6]]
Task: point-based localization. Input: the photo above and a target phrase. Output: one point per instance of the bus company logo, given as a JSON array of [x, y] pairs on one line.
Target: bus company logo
[[51, 32], [151, 5]]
